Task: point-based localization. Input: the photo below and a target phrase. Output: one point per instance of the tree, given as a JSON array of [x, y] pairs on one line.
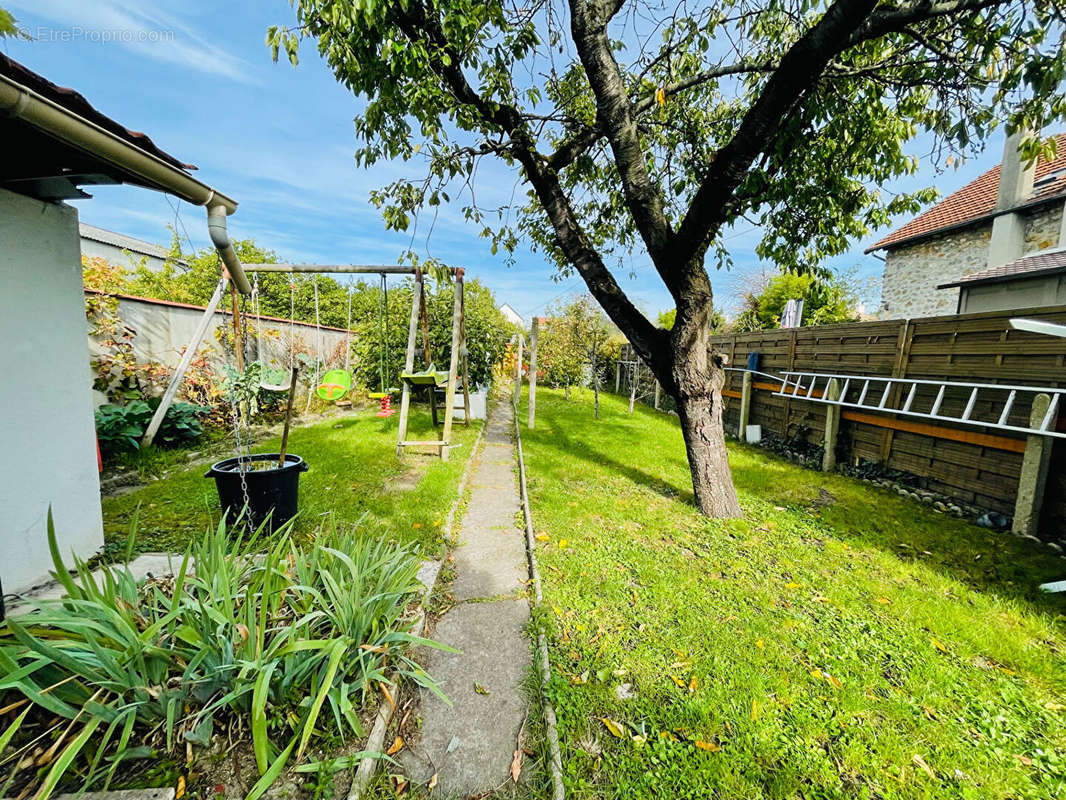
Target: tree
[[574, 342], [666, 320], [825, 302], [658, 125]]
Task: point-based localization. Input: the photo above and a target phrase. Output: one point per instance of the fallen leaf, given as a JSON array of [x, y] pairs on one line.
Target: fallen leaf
[[670, 736], [388, 695], [179, 792], [516, 765], [884, 601], [938, 645], [417, 525], [613, 727], [479, 688], [399, 783], [1025, 760], [793, 585], [710, 747], [677, 680], [692, 684], [432, 782], [397, 746], [917, 759], [835, 681], [453, 745], [374, 648]]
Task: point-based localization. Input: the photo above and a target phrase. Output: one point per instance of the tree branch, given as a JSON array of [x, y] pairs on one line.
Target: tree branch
[[797, 72]]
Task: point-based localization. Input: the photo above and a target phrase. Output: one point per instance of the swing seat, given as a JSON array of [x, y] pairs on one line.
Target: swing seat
[[335, 384], [427, 377]]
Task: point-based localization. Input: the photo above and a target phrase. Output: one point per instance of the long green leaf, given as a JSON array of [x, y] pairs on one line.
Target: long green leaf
[[66, 758]]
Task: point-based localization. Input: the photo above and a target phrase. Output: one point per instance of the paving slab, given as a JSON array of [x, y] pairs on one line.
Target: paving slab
[[479, 730], [469, 744], [146, 565]]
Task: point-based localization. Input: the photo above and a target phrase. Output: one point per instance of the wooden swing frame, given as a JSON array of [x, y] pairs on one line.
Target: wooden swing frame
[[419, 313]]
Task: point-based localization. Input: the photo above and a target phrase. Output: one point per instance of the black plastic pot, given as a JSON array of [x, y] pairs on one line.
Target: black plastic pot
[[272, 493]]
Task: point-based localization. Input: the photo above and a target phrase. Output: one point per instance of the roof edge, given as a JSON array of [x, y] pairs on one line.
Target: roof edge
[[967, 223]]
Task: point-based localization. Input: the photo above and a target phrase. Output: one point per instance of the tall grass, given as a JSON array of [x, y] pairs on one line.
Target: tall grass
[[290, 638]]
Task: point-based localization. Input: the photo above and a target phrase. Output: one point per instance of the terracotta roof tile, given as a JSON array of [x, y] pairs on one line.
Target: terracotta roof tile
[[73, 101], [975, 200], [1041, 262]]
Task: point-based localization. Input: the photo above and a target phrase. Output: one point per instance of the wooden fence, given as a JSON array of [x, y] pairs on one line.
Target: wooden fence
[[973, 465]]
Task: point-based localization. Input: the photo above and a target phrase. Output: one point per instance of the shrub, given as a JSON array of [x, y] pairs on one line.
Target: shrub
[[289, 640], [121, 428]]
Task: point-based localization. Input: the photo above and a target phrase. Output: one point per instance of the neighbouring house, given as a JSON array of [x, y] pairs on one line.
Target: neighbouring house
[[512, 316], [123, 250], [991, 246], [56, 143]]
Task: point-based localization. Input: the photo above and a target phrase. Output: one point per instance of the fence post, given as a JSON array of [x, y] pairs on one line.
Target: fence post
[[832, 427], [533, 374], [618, 375], [745, 407], [518, 373], [658, 390], [1033, 476]]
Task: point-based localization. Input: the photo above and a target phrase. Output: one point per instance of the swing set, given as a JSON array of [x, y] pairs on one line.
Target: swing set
[[441, 385]]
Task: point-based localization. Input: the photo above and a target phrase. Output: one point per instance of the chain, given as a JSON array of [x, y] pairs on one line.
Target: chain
[[243, 454]]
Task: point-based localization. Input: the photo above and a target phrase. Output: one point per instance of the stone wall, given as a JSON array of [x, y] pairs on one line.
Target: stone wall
[[913, 271]]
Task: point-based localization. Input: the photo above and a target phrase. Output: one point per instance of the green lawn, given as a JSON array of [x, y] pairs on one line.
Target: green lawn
[[354, 472], [838, 641]]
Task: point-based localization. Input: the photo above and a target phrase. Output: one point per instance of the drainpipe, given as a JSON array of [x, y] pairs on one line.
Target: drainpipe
[[216, 226], [18, 101]]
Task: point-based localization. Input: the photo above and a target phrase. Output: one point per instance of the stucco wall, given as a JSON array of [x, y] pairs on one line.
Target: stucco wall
[[163, 331], [46, 415], [912, 272]]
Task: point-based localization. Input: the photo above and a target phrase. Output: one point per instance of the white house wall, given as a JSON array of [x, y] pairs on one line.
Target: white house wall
[[46, 414]]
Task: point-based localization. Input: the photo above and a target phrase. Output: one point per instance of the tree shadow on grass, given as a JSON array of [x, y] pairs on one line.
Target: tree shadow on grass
[[557, 438], [986, 560]]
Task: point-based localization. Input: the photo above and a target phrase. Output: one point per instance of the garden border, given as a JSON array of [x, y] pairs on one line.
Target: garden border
[[550, 720]]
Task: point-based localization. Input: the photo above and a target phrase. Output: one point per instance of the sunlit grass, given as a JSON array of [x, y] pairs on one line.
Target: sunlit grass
[[354, 472], [838, 641]]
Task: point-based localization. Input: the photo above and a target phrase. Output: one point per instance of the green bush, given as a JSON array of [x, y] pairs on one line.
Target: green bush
[[291, 640], [121, 428]]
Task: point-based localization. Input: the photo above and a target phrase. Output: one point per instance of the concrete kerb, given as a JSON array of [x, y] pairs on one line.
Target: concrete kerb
[[550, 720], [428, 575]]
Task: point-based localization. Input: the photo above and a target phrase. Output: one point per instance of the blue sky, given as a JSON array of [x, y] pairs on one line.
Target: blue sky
[[280, 141]]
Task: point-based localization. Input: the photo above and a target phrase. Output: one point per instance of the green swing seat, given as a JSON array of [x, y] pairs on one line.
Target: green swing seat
[[427, 377]]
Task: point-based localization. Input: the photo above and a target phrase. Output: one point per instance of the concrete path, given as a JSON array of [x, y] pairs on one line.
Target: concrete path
[[470, 744]]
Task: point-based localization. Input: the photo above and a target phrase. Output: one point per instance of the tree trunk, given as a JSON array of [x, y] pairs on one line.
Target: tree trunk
[[700, 413]]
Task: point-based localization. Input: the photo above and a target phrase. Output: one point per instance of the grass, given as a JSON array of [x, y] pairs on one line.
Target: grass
[[837, 641], [354, 472]]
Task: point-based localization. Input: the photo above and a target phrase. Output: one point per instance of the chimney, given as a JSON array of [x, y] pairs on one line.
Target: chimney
[[1015, 187]]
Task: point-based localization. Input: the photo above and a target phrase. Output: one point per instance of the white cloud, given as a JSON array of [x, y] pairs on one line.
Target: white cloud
[[149, 32]]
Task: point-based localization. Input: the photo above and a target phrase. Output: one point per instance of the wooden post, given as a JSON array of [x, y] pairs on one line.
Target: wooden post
[[618, 375], [518, 373], [658, 390], [288, 417], [533, 374], [832, 427], [186, 359], [634, 379], [1033, 476], [453, 376], [409, 362], [238, 342], [462, 347], [899, 370], [745, 407]]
